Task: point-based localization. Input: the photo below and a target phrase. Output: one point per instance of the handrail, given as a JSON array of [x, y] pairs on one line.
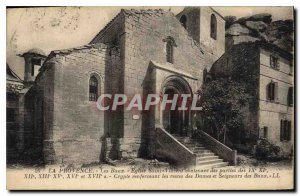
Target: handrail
[[175, 140], [219, 148], [168, 147]]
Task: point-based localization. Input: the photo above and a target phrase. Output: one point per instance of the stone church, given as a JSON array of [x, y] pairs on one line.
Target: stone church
[[137, 52]]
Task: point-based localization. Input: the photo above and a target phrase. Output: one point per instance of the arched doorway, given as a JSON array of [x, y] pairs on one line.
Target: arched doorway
[[176, 121]]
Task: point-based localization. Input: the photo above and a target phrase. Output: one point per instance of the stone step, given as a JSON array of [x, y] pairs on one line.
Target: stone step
[[193, 145], [179, 136], [199, 148], [207, 158], [201, 151], [183, 138], [214, 165], [206, 162], [206, 154], [189, 142]]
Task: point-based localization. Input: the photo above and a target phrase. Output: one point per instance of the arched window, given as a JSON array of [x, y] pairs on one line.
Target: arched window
[[213, 26], [183, 21], [169, 52], [170, 43], [93, 90]]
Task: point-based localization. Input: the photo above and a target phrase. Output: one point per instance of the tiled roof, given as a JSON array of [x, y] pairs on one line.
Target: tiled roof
[[70, 50], [35, 51], [143, 12]]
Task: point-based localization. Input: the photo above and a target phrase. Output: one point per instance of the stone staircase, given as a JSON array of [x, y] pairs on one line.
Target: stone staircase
[[205, 158]]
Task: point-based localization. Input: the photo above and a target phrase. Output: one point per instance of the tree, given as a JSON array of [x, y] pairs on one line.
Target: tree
[[229, 20], [222, 102]]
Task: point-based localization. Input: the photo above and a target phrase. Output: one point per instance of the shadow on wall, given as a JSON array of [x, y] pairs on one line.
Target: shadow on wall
[[113, 120], [148, 137]]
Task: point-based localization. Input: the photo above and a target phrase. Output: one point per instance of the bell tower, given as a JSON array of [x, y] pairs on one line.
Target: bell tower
[[207, 27], [34, 59]]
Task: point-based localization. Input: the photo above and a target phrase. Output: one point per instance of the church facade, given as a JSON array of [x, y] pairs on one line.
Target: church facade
[[138, 52]]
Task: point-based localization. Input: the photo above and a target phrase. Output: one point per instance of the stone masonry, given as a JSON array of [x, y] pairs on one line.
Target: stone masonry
[[128, 56]]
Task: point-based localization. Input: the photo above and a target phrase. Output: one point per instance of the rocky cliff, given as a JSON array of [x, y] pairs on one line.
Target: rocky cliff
[[260, 27]]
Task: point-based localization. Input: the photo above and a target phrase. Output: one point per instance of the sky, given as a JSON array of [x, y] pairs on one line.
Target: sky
[[66, 27]]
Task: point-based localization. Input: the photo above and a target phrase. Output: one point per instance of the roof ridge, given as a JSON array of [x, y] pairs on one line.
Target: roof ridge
[[106, 26], [143, 11], [86, 46]]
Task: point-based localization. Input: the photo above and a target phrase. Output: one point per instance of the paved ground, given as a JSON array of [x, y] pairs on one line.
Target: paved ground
[[247, 160], [242, 160]]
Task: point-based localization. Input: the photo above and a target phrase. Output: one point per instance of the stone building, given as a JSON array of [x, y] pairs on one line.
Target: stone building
[[22, 135], [14, 86], [137, 52], [267, 70]]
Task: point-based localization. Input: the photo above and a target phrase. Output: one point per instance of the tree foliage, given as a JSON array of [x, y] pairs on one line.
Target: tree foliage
[[222, 101], [229, 20]]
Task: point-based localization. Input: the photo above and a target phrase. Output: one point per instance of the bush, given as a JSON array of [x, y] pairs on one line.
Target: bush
[[267, 151]]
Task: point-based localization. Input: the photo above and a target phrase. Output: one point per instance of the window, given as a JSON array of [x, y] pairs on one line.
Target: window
[[266, 132], [272, 89], [285, 130], [93, 96], [35, 66], [204, 74], [32, 70], [169, 52], [290, 97], [183, 21], [213, 26], [274, 62], [170, 44]]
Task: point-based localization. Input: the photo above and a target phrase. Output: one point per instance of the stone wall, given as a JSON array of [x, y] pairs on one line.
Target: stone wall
[[43, 103], [12, 126], [214, 47], [192, 15], [251, 62], [198, 26], [140, 36], [78, 129], [114, 34], [28, 131], [145, 34]]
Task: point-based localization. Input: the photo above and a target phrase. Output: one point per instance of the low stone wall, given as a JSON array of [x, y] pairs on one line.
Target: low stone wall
[[219, 148], [169, 149], [122, 148]]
